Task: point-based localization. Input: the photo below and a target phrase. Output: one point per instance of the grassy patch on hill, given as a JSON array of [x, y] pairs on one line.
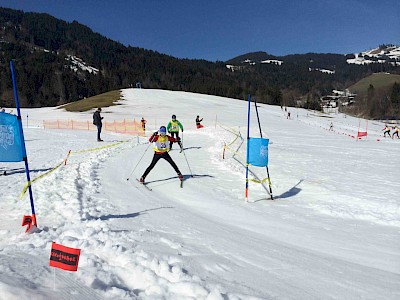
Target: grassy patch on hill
[[378, 80], [101, 100]]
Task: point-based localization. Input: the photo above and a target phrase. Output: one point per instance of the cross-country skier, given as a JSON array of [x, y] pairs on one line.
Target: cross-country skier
[[161, 141], [396, 132], [386, 130], [173, 128]]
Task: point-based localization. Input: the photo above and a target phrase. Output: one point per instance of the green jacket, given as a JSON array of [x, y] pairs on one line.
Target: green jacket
[[174, 125]]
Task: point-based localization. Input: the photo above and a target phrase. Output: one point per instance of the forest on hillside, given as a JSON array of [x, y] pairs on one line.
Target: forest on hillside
[[40, 44]]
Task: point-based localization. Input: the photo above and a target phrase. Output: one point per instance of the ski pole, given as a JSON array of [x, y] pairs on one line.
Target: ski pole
[[259, 126], [182, 141], [139, 161], [191, 174]]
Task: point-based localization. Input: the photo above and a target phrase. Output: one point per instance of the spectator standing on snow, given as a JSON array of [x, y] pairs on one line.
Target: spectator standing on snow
[[396, 132], [143, 122], [386, 130], [161, 141], [198, 120], [331, 127], [173, 128], [99, 124]]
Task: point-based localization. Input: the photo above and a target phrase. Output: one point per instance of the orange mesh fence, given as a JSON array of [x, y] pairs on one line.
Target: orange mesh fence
[[126, 127], [63, 124]]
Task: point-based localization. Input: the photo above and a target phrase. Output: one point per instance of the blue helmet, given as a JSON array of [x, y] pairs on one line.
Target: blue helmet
[[173, 117], [162, 130]]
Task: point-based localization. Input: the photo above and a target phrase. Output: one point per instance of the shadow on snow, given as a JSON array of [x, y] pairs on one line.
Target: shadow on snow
[[127, 216]]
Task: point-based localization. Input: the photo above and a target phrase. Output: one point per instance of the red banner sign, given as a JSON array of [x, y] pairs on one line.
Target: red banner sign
[[362, 133], [64, 257], [27, 221]]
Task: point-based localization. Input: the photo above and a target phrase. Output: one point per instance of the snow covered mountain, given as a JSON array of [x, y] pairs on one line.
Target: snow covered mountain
[[382, 54]]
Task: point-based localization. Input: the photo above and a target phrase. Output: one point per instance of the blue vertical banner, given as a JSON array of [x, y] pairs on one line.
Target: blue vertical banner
[[258, 152], [12, 145]]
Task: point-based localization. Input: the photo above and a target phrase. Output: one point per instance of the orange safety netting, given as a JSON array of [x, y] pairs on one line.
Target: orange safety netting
[[127, 127]]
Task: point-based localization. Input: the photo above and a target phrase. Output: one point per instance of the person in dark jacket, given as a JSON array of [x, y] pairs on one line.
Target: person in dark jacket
[[97, 121], [143, 123], [198, 124], [161, 146]]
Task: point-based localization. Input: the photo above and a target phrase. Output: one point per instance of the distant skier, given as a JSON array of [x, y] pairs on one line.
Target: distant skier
[[198, 120], [160, 140], [99, 124], [143, 123], [173, 128], [386, 130], [331, 127], [396, 132]]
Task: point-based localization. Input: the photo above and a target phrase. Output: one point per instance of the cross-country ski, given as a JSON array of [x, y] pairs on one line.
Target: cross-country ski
[[144, 185]]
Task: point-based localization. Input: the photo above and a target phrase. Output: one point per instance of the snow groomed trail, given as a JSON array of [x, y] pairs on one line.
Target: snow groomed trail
[[331, 233]]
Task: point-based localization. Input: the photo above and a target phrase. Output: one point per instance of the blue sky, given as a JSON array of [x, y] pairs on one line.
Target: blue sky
[[223, 29]]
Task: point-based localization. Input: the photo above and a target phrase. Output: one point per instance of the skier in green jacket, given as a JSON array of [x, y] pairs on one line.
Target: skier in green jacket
[[173, 128]]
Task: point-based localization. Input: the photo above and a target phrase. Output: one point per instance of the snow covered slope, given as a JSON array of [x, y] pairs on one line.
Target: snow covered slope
[[332, 231]]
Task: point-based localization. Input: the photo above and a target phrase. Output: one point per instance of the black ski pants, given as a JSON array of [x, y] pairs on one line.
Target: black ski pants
[[176, 135], [156, 158]]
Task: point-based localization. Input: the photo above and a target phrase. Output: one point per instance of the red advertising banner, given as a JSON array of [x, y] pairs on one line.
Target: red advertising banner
[[30, 223], [27, 221], [64, 257], [361, 134]]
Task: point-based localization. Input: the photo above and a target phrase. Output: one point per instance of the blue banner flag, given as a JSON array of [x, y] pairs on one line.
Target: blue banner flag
[[12, 145], [258, 152]]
